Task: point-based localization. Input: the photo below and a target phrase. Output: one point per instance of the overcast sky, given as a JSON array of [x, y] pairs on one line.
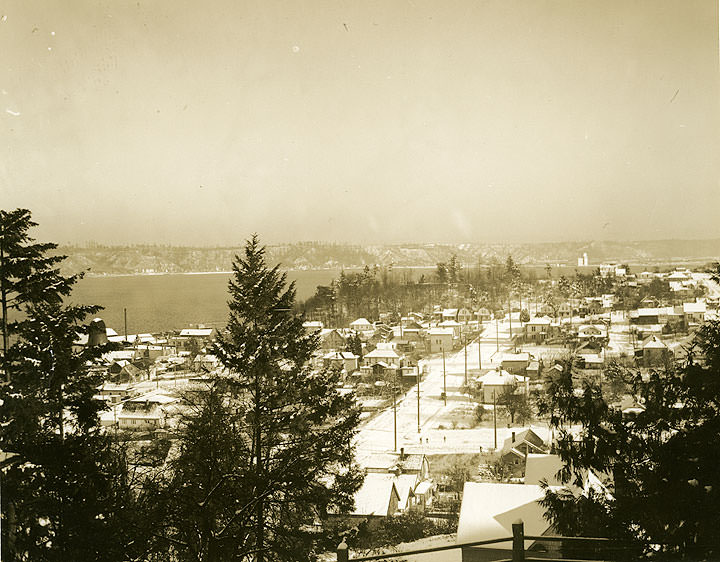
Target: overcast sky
[[388, 121]]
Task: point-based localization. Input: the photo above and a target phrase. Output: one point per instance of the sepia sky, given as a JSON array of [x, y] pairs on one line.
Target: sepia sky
[[198, 122]]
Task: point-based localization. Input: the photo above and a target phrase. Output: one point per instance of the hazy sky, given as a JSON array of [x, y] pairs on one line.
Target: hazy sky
[[469, 121]]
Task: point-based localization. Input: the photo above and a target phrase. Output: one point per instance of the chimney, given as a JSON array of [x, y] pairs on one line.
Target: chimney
[[513, 437], [402, 453]]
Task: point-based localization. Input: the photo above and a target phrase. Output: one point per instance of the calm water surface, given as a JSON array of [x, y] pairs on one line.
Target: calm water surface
[[156, 303]]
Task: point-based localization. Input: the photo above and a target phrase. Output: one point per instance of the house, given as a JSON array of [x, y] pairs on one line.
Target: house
[[694, 313], [402, 345], [195, 338], [496, 382], [440, 339], [332, 339], [483, 315], [362, 325], [538, 329], [654, 352], [387, 356], [150, 352], [589, 359], [456, 327], [595, 336], [343, 360], [114, 393], [205, 363], [398, 463], [488, 511], [464, 316], [516, 448], [449, 314], [144, 413], [410, 330], [124, 371], [646, 316], [312, 327], [376, 499], [402, 464], [515, 363]]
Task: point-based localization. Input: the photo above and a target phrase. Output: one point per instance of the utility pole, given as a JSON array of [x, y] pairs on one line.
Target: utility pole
[[444, 381], [479, 353], [495, 419], [497, 335], [465, 344], [395, 415], [418, 397], [125, 315]]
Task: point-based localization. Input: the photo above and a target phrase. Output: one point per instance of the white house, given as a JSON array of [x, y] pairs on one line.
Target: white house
[[441, 339], [362, 325]]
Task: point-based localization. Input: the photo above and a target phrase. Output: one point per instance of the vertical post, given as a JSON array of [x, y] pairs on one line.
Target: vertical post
[[497, 336], [125, 315], [418, 397], [495, 418], [465, 344], [444, 381], [342, 552], [518, 541], [479, 353], [395, 413]]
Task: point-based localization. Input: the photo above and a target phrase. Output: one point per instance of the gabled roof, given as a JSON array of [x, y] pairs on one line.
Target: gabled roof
[[525, 436], [373, 497], [382, 353], [361, 321], [489, 509], [499, 378], [654, 343], [441, 332]]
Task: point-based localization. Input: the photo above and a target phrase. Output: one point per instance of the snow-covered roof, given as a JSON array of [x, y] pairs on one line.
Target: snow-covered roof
[[654, 343], [540, 321], [489, 509], [196, 332], [155, 398], [694, 308], [441, 332], [373, 497], [382, 353], [500, 378], [542, 467], [338, 355], [361, 322]]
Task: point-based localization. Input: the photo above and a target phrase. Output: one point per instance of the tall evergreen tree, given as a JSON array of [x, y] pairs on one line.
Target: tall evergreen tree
[[60, 500], [298, 428], [27, 272]]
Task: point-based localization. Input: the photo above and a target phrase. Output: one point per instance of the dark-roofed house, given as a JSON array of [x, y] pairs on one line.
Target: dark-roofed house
[[518, 446]]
